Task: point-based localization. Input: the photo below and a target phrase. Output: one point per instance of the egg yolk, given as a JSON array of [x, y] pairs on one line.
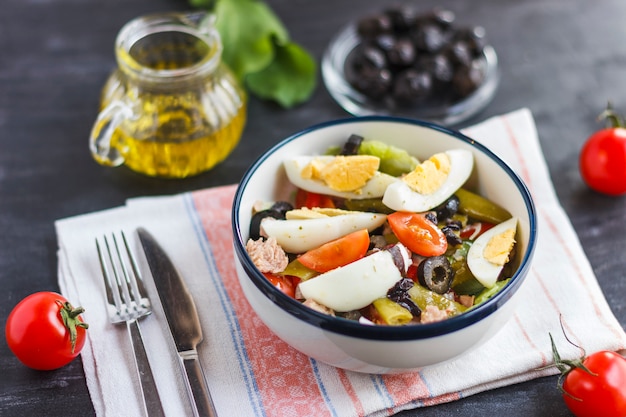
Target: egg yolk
[[499, 247], [428, 176], [343, 173]]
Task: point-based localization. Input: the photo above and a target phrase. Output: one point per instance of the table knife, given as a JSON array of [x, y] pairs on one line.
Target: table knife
[[182, 317]]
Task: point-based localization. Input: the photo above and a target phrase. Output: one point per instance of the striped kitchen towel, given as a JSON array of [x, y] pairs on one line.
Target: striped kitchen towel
[[253, 373]]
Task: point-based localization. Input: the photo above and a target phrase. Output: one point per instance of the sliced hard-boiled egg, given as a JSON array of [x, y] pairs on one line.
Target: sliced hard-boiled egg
[[359, 283], [353, 177], [431, 183], [490, 252], [301, 235]]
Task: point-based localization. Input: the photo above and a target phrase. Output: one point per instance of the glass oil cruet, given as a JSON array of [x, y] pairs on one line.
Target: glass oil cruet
[[171, 108]]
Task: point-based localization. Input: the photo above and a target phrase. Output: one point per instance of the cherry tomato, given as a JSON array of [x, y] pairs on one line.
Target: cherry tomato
[[44, 331], [310, 200], [283, 282], [603, 161], [601, 392], [418, 233], [593, 385], [338, 252]]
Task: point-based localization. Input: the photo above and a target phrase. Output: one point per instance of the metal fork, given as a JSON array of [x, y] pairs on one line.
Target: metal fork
[[127, 302]]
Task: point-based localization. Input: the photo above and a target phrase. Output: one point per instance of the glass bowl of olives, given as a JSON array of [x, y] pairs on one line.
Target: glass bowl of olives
[[423, 65]]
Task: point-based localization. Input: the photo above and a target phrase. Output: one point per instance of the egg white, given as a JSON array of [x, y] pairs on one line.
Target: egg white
[[357, 284], [400, 197], [484, 271], [301, 235], [374, 188]]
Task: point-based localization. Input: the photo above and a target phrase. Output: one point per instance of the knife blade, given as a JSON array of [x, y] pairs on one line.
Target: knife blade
[[182, 318]]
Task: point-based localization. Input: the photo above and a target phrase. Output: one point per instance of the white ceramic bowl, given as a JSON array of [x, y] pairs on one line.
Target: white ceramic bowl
[[379, 349]]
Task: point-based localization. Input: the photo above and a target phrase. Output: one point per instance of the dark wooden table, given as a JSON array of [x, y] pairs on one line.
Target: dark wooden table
[[562, 59]]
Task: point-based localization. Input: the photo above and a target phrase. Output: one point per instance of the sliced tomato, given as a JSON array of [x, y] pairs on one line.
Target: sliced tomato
[[309, 200], [283, 283], [338, 252], [418, 233]]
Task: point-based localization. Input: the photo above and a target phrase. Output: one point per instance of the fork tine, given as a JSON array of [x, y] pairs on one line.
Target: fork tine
[[122, 277], [136, 280], [113, 297]]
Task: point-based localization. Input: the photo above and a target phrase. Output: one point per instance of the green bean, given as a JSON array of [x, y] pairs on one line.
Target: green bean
[[391, 312], [480, 208], [296, 269], [424, 297]]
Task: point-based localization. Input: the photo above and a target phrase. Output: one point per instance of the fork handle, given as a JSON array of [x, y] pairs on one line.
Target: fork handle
[[151, 400]]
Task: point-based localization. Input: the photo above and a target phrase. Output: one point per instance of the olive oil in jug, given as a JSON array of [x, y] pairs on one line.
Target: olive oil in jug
[[171, 108]]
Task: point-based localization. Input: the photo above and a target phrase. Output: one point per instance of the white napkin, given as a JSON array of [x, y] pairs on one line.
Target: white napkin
[[252, 373]]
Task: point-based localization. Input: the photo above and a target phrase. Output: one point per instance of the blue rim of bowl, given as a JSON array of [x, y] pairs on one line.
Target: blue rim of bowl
[[353, 328], [357, 104]]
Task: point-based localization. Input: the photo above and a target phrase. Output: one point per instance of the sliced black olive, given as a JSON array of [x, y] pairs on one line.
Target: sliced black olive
[[352, 145], [255, 222], [400, 294], [431, 216], [448, 209], [281, 207], [450, 232], [436, 274]]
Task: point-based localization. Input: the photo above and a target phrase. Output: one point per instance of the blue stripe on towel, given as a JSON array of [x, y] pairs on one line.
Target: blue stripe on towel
[[227, 307], [320, 384]]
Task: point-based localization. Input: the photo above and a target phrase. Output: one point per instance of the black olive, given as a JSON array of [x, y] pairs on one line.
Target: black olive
[[431, 216], [255, 222], [428, 38], [281, 207], [385, 42], [459, 54], [412, 86], [450, 232], [368, 56], [398, 39], [401, 17], [441, 17], [439, 67], [475, 37], [374, 83], [436, 274], [371, 26], [401, 54], [467, 80], [448, 209], [352, 145], [399, 293]]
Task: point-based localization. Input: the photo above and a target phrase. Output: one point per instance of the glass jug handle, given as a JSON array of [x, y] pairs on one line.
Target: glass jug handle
[[100, 138]]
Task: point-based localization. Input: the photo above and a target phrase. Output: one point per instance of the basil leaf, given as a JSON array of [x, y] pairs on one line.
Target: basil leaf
[[289, 79], [247, 28]]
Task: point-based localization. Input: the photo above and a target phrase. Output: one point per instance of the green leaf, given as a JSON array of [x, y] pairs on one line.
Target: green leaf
[[205, 4], [289, 79], [248, 28]]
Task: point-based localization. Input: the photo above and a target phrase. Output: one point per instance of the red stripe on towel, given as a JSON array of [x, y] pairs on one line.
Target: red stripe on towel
[[284, 376]]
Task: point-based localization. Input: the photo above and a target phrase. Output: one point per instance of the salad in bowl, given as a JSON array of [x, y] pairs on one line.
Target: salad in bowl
[[382, 230]]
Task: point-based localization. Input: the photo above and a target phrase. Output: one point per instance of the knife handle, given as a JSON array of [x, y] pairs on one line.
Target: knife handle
[[197, 387]]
